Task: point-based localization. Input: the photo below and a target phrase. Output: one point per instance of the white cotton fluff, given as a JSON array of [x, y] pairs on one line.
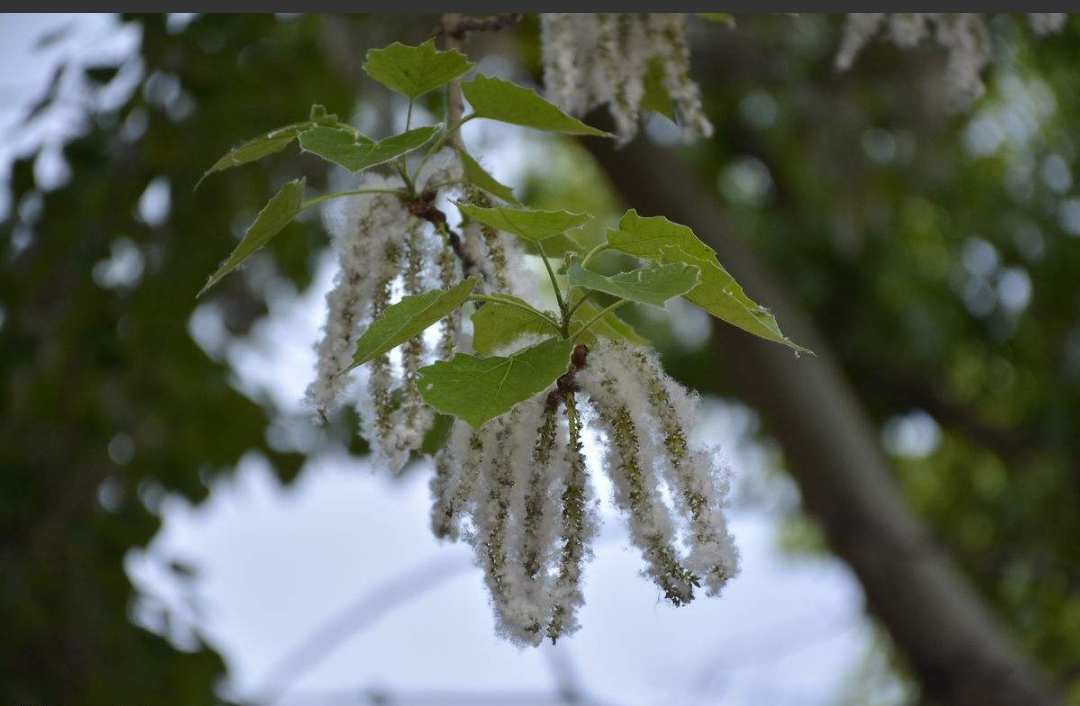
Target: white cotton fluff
[[698, 478], [442, 171], [578, 525], [964, 35], [457, 468], [967, 39], [492, 517], [663, 414], [537, 505], [519, 605], [859, 29], [684, 92], [502, 488], [602, 59], [1047, 22], [632, 459], [565, 69], [362, 227]]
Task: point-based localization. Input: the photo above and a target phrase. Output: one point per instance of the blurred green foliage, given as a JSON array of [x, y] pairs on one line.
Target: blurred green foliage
[[938, 252]]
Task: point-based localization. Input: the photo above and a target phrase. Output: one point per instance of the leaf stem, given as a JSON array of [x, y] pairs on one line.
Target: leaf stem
[[554, 281], [593, 253], [438, 144], [610, 308], [400, 167], [578, 304], [408, 116]]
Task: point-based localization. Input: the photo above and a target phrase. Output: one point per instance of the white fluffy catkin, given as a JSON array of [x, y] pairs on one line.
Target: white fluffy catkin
[[578, 526], [517, 491], [648, 417], [457, 468], [632, 453], [362, 229], [964, 35], [603, 59], [699, 481]]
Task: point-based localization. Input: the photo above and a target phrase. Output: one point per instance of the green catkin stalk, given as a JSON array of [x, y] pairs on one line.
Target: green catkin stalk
[[532, 551], [577, 527], [685, 482], [661, 558], [448, 276], [456, 474], [412, 353], [493, 514], [381, 373], [669, 31], [535, 538], [496, 253]]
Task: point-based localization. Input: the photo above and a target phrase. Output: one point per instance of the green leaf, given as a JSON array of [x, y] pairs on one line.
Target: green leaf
[[353, 151], [414, 71], [653, 284], [478, 389], [257, 148], [656, 97], [657, 238], [496, 325], [271, 142], [609, 326], [437, 434], [531, 225], [408, 318], [275, 215], [319, 116], [508, 102], [725, 18], [478, 177]]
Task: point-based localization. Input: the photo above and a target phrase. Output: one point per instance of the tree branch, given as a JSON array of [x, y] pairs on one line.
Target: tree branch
[[960, 654]]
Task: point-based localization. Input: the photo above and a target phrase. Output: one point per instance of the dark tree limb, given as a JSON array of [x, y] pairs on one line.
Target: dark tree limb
[[953, 644]]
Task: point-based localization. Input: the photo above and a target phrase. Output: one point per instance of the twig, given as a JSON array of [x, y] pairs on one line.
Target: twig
[[459, 28], [424, 207]]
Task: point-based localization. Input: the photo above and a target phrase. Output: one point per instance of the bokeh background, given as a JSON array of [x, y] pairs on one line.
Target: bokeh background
[[174, 529]]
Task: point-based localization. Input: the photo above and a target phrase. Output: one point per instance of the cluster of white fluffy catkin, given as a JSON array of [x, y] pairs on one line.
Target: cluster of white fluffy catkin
[[518, 491], [385, 252], [596, 59], [965, 36]]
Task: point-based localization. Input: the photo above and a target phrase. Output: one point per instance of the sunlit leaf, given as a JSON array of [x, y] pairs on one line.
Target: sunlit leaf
[[409, 317], [725, 18], [271, 142], [497, 324], [257, 148], [414, 71], [481, 179], [609, 326], [353, 151], [437, 434], [478, 389], [276, 214], [529, 224], [508, 102], [652, 284], [657, 238]]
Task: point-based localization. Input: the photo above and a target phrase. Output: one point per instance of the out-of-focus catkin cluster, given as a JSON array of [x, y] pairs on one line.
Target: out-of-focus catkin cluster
[[596, 59], [964, 35], [518, 491], [386, 248]]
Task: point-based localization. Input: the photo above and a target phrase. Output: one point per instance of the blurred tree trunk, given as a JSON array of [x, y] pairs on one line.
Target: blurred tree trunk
[[955, 647]]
